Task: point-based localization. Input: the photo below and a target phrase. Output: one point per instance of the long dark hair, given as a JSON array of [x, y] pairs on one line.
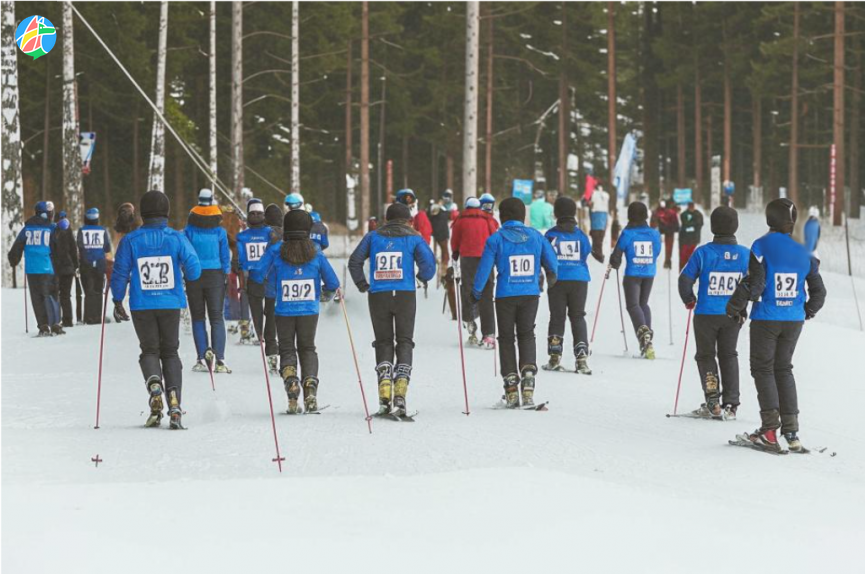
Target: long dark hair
[[298, 251]]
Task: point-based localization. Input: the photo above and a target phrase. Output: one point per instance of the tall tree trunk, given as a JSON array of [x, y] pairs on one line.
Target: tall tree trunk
[[364, 116], [179, 195], [488, 140], [611, 89], [564, 109], [10, 140], [757, 127], [470, 117], [838, 114], [351, 205], [136, 153], [237, 160], [709, 151], [728, 121], [108, 205], [680, 136], [651, 174], [295, 99], [46, 129], [793, 170], [156, 173], [855, 190], [72, 189], [698, 133], [449, 168], [211, 60]]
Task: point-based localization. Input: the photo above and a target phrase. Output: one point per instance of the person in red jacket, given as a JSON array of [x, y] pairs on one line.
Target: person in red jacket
[[468, 237], [419, 219], [666, 220]]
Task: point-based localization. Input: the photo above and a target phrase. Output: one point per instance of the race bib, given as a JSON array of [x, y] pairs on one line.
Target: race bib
[[93, 238], [156, 273], [643, 249], [522, 265], [689, 230], [255, 251], [298, 290], [38, 237], [569, 250], [388, 266], [786, 285], [722, 284]]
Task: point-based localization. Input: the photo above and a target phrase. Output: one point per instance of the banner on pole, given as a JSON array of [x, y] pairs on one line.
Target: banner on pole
[[86, 143], [523, 190]]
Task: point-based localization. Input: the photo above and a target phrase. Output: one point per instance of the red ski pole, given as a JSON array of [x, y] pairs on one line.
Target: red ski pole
[[26, 314], [598, 307], [354, 356], [101, 348], [621, 312], [682, 367], [458, 280]]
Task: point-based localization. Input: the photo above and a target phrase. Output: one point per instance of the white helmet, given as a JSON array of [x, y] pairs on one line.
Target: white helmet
[[814, 211]]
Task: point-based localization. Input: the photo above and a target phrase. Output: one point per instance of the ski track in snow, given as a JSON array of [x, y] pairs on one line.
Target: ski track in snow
[[602, 470]]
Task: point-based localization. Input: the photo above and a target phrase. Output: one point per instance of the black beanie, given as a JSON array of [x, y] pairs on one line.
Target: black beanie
[[397, 211], [565, 207], [781, 215], [725, 221], [154, 204], [638, 212], [273, 215], [296, 225], [512, 209]]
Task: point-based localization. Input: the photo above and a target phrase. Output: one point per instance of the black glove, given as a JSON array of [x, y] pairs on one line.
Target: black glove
[[449, 275], [363, 286], [475, 296], [599, 257], [254, 289], [420, 281], [809, 313], [739, 316], [120, 312], [326, 296]]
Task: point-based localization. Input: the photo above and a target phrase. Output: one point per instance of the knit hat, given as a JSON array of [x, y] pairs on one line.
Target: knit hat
[[254, 205], [273, 215], [638, 212], [512, 209], [565, 207], [725, 221], [397, 211], [781, 215], [473, 202], [154, 204], [91, 214], [42, 209], [296, 225], [205, 197]]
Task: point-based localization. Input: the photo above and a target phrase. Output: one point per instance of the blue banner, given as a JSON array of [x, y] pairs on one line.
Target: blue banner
[[523, 190]]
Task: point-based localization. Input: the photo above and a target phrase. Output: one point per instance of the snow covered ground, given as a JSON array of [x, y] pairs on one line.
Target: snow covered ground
[[603, 482]]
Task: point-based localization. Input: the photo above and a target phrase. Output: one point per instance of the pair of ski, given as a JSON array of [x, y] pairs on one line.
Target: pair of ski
[[502, 405], [698, 416], [396, 416], [562, 369], [304, 412]]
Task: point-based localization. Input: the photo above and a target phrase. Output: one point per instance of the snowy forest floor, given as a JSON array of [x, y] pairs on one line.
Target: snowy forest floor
[[602, 482]]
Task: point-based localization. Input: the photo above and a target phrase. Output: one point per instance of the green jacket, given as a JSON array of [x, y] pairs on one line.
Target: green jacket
[[541, 215]]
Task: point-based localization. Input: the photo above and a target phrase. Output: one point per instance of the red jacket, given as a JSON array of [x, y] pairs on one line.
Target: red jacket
[[422, 225], [470, 232]]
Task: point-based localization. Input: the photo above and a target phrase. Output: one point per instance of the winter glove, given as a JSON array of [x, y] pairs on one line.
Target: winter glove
[[449, 275], [809, 313], [737, 316], [475, 296], [363, 286], [691, 304], [119, 312], [420, 282], [254, 289], [326, 296]]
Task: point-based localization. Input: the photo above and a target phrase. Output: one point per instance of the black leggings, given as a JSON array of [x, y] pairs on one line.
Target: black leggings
[[393, 314], [718, 335], [158, 333], [470, 310], [569, 297], [264, 321], [637, 291], [297, 337], [516, 320]]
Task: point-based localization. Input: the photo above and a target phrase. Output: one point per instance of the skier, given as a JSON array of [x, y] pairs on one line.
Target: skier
[[541, 212], [126, 220], [517, 252], [567, 298], [419, 219], [149, 260], [94, 244], [666, 220], [488, 204], [689, 233], [470, 233], [718, 267], [441, 214], [640, 245], [778, 270], [207, 293], [299, 269], [293, 201], [251, 244], [812, 231], [319, 231], [38, 244], [66, 267], [393, 250], [449, 205], [262, 294], [599, 209]]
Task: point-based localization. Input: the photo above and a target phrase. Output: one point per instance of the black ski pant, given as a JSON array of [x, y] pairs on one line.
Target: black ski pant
[[297, 337], [637, 291], [158, 333], [717, 336], [772, 347], [264, 321], [93, 283], [45, 307], [516, 322], [207, 294], [568, 298], [470, 310], [393, 315], [597, 236], [65, 296]]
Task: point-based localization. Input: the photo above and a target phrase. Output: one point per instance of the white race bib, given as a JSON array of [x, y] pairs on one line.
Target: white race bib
[[255, 251], [93, 238], [38, 237], [569, 250], [643, 249], [722, 284], [522, 265], [156, 273], [786, 285], [388, 266], [298, 290]]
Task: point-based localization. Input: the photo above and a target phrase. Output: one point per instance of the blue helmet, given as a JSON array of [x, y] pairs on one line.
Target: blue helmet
[[294, 201], [42, 209], [403, 195], [487, 202], [92, 213], [316, 218]]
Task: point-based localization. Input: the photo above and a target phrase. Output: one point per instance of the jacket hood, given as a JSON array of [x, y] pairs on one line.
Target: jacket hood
[[725, 240], [37, 221], [566, 224], [514, 232], [395, 229], [206, 216]]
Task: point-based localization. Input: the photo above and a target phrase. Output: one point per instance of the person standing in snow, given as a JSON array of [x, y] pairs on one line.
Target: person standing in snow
[[262, 294], [207, 293], [66, 267], [293, 202], [666, 220], [779, 268], [441, 214], [718, 267], [394, 249], [149, 261], [318, 232], [640, 245], [470, 233], [299, 269], [599, 209], [518, 253], [419, 220], [567, 298], [541, 212], [251, 244], [689, 234], [812, 231], [94, 245]]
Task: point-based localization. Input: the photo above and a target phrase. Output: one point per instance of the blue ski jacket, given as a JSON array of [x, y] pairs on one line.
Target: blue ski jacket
[[251, 246], [518, 252], [93, 243], [641, 247], [298, 286], [572, 248], [208, 238], [37, 243], [393, 250], [319, 234], [718, 266]]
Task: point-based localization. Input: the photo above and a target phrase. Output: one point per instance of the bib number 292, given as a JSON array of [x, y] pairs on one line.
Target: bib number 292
[[298, 290], [156, 273], [522, 265]]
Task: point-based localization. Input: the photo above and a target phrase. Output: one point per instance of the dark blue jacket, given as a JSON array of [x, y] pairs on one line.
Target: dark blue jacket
[[517, 252], [319, 234], [93, 243], [572, 248], [251, 246], [37, 243], [393, 250]]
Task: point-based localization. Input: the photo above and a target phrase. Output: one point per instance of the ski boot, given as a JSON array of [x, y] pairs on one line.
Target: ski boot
[[793, 442], [233, 328], [472, 328], [154, 387], [765, 440], [273, 364], [246, 335], [310, 387], [528, 385], [210, 359], [221, 367], [57, 329], [488, 343], [174, 412], [512, 391], [644, 335], [199, 367], [292, 388], [713, 406], [385, 387], [729, 413], [582, 360], [554, 348], [400, 389], [44, 331]]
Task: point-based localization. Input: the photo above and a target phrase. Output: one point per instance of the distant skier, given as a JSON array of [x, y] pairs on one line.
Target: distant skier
[[37, 243], [293, 201], [441, 214], [518, 253], [299, 268], [778, 270], [718, 267], [689, 233], [319, 231], [251, 244], [599, 214], [419, 220], [66, 267], [812, 231], [666, 220], [207, 293], [641, 246], [149, 260], [262, 294], [567, 298], [94, 244], [541, 212], [393, 250]]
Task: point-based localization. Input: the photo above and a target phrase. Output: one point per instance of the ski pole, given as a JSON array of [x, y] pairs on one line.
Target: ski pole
[[444, 302], [26, 314], [598, 307], [670, 301], [621, 312], [356, 364], [458, 282], [101, 348], [496, 348], [682, 367], [850, 271]]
